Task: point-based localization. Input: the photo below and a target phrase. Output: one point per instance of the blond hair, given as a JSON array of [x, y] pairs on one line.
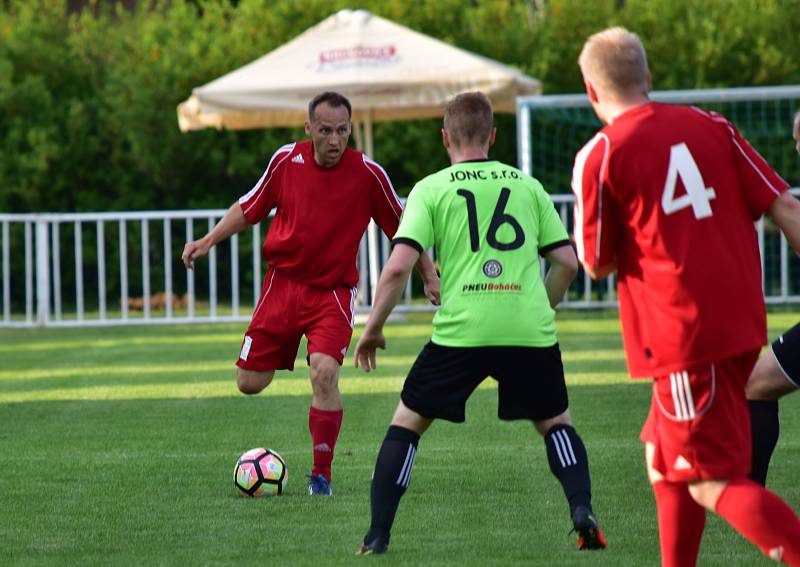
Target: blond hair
[[614, 61], [468, 119]]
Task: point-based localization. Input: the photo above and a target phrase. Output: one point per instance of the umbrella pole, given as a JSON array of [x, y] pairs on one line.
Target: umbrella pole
[[363, 254], [368, 147], [359, 134], [363, 133]]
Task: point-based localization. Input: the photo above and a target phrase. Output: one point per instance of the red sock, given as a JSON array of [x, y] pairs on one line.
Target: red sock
[[681, 521], [763, 518], [324, 427]]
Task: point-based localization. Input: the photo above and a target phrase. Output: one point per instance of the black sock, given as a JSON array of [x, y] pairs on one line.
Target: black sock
[[390, 478], [570, 465], [766, 429]]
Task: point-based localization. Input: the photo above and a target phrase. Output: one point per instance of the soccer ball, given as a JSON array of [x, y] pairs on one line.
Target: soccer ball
[[260, 472]]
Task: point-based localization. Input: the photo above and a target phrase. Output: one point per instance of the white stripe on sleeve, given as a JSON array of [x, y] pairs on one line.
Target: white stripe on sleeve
[[385, 183], [715, 117], [578, 189], [257, 190]]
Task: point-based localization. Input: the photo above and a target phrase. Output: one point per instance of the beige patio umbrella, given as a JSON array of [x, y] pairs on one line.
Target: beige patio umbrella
[[389, 72]]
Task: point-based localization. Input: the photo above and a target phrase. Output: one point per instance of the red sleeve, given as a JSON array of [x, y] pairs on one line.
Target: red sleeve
[[386, 205], [760, 182], [262, 198], [596, 223]]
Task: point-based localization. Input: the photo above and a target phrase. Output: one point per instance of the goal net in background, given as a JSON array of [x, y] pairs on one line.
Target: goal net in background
[[552, 129]]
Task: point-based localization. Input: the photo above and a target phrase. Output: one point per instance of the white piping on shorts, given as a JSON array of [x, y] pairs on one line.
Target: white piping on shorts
[[351, 319], [266, 293], [682, 397]]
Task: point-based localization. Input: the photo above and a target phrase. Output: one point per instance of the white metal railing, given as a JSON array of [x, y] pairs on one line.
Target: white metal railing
[[35, 276], [35, 271]]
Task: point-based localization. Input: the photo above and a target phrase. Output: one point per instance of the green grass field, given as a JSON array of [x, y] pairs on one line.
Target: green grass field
[[118, 447]]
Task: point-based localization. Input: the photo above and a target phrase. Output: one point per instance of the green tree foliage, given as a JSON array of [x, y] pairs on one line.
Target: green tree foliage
[[88, 99]]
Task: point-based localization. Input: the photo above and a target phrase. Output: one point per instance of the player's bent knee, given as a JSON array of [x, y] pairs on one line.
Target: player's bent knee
[[251, 382], [545, 425], [767, 381], [409, 419], [324, 378], [324, 370]]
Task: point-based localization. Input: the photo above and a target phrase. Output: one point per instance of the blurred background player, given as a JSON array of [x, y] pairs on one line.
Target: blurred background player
[[324, 194], [776, 374], [666, 196], [489, 223]]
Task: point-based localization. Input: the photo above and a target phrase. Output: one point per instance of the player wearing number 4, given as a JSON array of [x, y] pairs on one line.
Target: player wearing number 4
[[489, 223], [666, 196]]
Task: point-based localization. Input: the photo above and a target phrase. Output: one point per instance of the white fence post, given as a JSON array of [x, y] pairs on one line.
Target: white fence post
[[6, 273], [42, 273]]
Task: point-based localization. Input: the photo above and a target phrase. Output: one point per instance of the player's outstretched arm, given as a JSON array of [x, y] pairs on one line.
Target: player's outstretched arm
[[563, 269], [390, 288], [231, 223], [785, 212]]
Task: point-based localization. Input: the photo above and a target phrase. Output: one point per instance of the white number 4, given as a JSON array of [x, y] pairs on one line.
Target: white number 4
[[682, 164]]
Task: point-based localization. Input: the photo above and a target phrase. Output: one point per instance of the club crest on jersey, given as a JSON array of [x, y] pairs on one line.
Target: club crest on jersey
[[492, 268]]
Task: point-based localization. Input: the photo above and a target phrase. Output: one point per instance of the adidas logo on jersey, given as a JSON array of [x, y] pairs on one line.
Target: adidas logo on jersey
[[681, 464], [298, 159]]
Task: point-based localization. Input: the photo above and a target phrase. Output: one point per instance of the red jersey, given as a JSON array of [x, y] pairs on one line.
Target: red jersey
[[321, 213], [670, 194]]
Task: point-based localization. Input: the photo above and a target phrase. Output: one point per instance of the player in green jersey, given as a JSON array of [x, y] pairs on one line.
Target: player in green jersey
[[489, 223]]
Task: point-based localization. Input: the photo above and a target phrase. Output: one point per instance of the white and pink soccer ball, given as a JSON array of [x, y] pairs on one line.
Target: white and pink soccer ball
[[260, 472]]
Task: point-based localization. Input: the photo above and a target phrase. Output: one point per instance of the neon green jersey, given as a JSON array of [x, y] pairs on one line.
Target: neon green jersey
[[488, 222]]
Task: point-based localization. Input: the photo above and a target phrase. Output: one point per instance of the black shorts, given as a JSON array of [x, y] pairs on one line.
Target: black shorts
[[530, 381], [787, 352]]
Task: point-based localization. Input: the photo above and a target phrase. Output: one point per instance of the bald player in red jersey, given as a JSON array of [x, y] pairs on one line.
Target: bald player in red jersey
[[666, 196], [324, 195]]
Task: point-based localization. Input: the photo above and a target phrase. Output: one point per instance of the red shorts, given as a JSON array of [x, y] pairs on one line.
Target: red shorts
[[286, 311], [699, 421]]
